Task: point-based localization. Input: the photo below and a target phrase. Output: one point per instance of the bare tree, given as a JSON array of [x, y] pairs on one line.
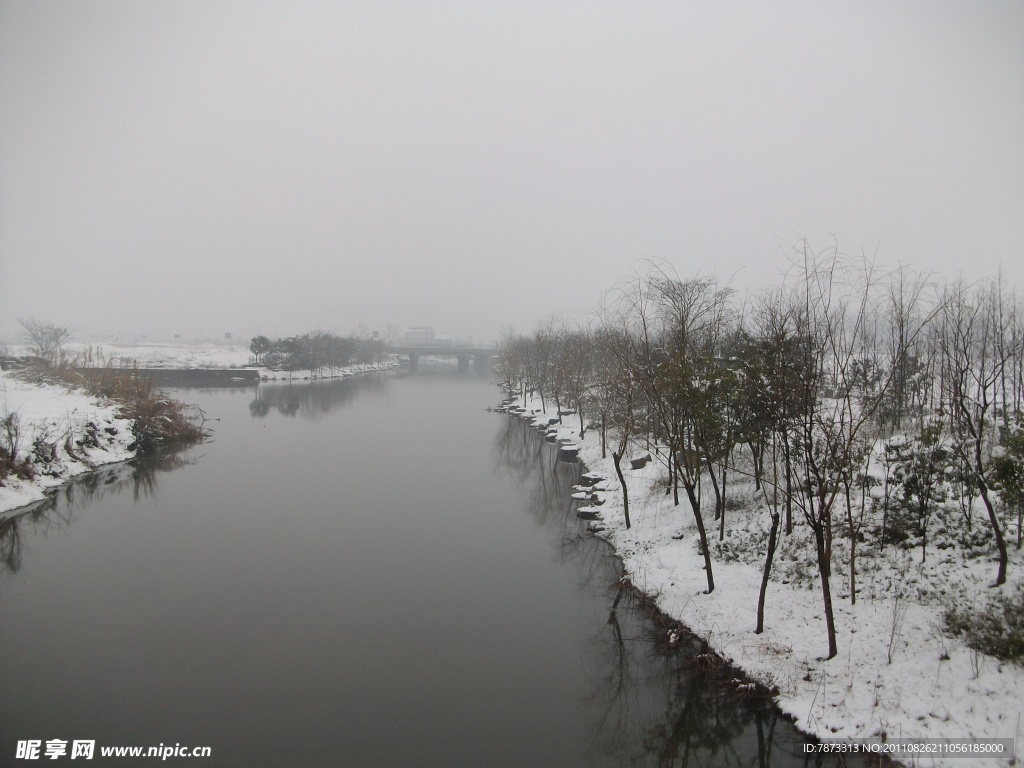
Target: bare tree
[[44, 340], [836, 295], [975, 361], [513, 356], [622, 411], [906, 315], [671, 327], [574, 373], [774, 366], [599, 396]]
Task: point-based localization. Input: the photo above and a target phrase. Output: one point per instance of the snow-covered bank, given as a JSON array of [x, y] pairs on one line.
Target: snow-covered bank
[[188, 357], [155, 355], [64, 433], [356, 369], [933, 687]]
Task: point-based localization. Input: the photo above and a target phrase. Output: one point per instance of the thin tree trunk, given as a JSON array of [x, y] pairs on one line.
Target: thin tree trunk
[[826, 590], [772, 544], [617, 459], [789, 484], [758, 460], [922, 511], [1000, 541], [675, 479], [725, 481], [695, 506], [718, 492]]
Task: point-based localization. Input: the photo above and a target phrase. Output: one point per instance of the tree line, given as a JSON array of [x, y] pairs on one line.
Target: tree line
[[316, 351], [804, 389]]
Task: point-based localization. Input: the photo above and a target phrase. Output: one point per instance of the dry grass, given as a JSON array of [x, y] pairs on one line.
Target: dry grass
[[157, 420]]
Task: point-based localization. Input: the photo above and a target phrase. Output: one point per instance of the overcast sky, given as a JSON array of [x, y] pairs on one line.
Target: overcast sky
[[275, 167]]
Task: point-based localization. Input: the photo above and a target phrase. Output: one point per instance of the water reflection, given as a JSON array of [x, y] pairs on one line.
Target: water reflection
[[654, 703], [324, 603], [57, 512], [313, 399]]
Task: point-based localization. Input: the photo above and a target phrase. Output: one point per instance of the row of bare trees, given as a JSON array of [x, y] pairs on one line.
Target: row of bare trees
[[798, 389]]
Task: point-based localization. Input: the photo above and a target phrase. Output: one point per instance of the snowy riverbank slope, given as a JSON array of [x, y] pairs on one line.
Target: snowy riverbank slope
[[934, 686], [65, 433]]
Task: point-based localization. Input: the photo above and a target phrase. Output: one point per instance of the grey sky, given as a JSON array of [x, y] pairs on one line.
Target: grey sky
[[201, 167]]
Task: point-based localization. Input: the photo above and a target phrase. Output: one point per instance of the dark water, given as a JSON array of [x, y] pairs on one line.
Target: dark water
[[371, 572]]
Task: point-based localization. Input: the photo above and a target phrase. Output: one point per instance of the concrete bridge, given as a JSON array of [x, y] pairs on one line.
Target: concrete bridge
[[482, 357]]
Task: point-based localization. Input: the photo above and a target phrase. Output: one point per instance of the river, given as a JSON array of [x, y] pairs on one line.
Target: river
[[364, 572]]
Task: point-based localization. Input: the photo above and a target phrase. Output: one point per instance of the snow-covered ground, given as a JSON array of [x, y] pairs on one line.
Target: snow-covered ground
[[268, 374], [157, 355], [934, 686], [75, 433]]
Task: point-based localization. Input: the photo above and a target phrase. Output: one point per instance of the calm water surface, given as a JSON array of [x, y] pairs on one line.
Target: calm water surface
[[371, 572]]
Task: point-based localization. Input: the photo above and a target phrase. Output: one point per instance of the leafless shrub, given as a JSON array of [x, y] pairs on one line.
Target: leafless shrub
[[10, 442], [996, 629], [44, 340], [156, 418], [898, 604]]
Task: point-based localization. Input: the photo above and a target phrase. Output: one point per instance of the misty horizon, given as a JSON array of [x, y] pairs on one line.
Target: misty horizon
[[201, 168]]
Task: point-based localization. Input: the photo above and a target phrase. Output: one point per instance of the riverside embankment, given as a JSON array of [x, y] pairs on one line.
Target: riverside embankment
[[897, 676], [63, 433]]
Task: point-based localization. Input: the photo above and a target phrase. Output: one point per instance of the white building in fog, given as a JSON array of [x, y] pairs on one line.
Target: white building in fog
[[424, 336]]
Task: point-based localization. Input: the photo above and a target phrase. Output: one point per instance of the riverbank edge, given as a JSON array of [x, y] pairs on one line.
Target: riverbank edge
[[54, 406], [816, 699], [55, 411], [674, 636]]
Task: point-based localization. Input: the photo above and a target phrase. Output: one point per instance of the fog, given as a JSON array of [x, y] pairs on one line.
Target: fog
[[197, 168]]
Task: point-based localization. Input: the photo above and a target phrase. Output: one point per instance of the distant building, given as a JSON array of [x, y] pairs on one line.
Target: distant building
[[423, 336], [420, 336]]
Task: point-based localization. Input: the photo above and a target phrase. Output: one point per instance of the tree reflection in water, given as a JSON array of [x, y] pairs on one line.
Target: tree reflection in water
[[313, 399], [57, 512], [654, 703]]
